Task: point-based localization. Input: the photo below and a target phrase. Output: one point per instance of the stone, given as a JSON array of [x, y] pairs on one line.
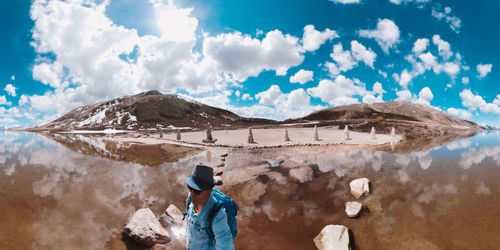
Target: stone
[[333, 237], [393, 132], [147, 132], [218, 172], [209, 138], [224, 155], [360, 187], [178, 135], [285, 135], [145, 229], [372, 134], [223, 159], [218, 180], [346, 133], [221, 165], [315, 133], [250, 136], [175, 213], [161, 133], [352, 208]]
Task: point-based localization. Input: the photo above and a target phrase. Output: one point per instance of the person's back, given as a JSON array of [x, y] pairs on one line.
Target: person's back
[[202, 203]]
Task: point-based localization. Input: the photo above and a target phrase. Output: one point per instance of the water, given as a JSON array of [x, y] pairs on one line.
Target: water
[[70, 192]]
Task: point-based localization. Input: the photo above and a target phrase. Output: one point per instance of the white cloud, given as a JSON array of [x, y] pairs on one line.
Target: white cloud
[[346, 1], [343, 58], [453, 21], [405, 95], [483, 70], [3, 100], [242, 56], [340, 91], [461, 113], [360, 53], [465, 80], [246, 97], [443, 47], [302, 76], [23, 100], [452, 69], [386, 34], [420, 3], [420, 45], [10, 89], [175, 24], [428, 59], [425, 96], [474, 102], [270, 96], [49, 73], [297, 98], [237, 93], [13, 77], [382, 73], [313, 39], [405, 78], [376, 95]]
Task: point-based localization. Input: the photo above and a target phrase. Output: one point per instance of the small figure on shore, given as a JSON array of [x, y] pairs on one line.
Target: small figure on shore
[[372, 134], [161, 133], [346, 133], [147, 132], [250, 136], [210, 214], [315, 132], [178, 135], [285, 135]]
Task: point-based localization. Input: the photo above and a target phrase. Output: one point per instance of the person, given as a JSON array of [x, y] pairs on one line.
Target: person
[[200, 184]]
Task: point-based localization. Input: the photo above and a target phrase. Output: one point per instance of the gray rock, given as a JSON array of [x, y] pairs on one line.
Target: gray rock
[[145, 229], [218, 172], [218, 180], [352, 208], [175, 213], [333, 237]]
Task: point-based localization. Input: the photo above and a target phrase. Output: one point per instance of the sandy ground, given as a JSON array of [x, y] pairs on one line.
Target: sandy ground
[[263, 138]]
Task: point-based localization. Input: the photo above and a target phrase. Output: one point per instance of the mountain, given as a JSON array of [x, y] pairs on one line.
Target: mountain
[[488, 127], [149, 110], [411, 119]]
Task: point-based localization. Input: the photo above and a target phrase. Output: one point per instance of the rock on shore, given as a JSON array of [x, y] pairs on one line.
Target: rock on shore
[[145, 229], [333, 237], [352, 208], [360, 187]]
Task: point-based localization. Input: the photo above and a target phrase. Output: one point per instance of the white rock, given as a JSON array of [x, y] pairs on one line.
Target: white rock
[[145, 229], [393, 132], [346, 133], [174, 213], [333, 237], [359, 187], [372, 134], [352, 208], [315, 134]]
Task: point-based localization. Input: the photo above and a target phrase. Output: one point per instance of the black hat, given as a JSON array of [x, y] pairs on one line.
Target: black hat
[[202, 177]]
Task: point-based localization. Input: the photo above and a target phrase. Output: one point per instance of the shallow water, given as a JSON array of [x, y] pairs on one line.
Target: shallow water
[[55, 195]]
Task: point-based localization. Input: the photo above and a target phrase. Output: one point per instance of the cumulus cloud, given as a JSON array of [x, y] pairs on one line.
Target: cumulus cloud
[[360, 53], [345, 60], [13, 77], [49, 73], [405, 78], [242, 56], [23, 100], [483, 70], [376, 95], [465, 80], [420, 3], [237, 93], [246, 96], [420, 45], [425, 96], [302, 76], [10, 89], [453, 21], [297, 98], [270, 96], [443, 47], [340, 91], [386, 34], [3, 100], [474, 102], [313, 39], [461, 113]]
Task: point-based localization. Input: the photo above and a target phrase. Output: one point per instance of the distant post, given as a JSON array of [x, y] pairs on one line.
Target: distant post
[[346, 133], [285, 135], [315, 133], [393, 132], [209, 138], [161, 133], [250, 136], [178, 135], [372, 134]]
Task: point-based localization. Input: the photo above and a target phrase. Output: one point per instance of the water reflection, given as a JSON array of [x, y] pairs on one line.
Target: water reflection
[[74, 192]]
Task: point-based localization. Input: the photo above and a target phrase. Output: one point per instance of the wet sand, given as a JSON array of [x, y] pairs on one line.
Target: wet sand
[[264, 138]]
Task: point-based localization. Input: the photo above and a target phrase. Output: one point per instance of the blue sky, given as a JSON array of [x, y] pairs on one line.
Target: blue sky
[[273, 59]]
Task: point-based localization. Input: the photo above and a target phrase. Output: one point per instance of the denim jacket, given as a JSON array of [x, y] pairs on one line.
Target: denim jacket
[[197, 237]]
